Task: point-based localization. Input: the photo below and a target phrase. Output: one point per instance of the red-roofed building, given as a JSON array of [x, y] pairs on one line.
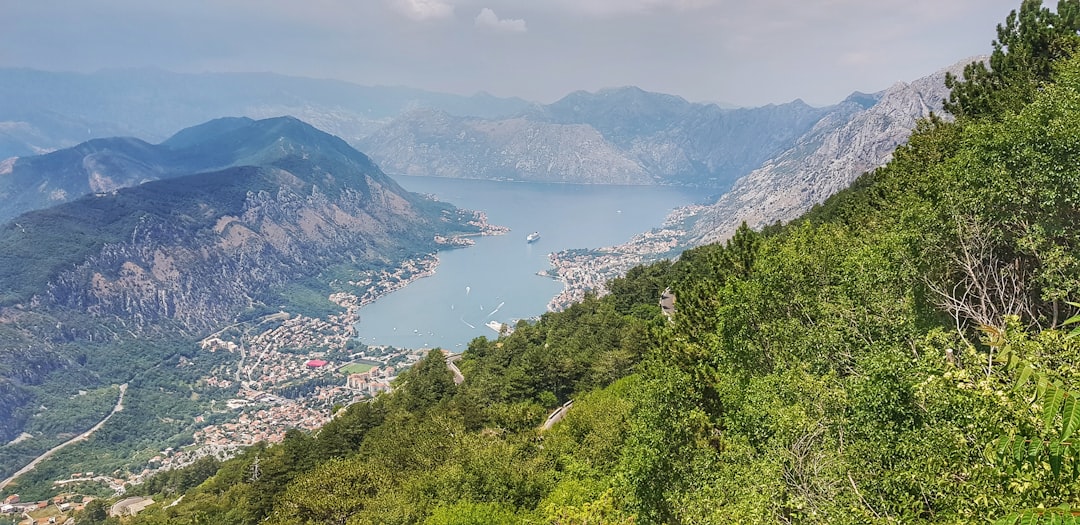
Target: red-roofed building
[[316, 363]]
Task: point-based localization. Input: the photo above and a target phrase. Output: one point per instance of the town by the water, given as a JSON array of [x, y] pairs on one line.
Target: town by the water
[[291, 371]]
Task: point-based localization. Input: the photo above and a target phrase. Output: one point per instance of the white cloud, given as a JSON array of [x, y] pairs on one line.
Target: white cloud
[[424, 9], [603, 8], [488, 19]]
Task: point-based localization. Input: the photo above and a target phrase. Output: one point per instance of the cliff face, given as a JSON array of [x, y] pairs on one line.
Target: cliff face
[[857, 137], [203, 262]]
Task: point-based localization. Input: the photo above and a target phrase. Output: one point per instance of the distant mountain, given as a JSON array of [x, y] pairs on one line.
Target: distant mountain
[[848, 139], [434, 143], [621, 114], [614, 136], [105, 165], [42, 111], [859, 135]]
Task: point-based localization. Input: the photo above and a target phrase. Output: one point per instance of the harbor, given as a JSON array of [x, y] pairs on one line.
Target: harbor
[[495, 280]]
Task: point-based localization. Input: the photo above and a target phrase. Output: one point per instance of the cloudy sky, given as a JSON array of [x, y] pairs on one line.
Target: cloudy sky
[[745, 52]]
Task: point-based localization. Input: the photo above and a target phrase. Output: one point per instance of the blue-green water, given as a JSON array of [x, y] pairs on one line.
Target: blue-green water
[[496, 280]]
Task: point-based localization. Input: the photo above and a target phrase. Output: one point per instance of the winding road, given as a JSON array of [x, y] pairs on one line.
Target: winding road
[[451, 364], [81, 437], [556, 416]]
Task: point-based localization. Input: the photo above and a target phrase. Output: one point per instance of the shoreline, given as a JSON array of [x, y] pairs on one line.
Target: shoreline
[[334, 332], [583, 271]]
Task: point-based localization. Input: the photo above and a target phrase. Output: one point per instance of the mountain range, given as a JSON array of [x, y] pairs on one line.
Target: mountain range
[[41, 111], [105, 165], [168, 240], [789, 152], [614, 136]]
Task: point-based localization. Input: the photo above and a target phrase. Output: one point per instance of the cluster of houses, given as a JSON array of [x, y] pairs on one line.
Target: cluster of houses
[[373, 381], [63, 504]]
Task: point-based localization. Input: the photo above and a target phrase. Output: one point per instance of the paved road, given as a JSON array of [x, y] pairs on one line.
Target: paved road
[[667, 303], [450, 363], [557, 416], [81, 437]]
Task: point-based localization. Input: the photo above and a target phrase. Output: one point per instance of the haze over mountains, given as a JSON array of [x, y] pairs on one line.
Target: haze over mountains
[[42, 111], [614, 136]]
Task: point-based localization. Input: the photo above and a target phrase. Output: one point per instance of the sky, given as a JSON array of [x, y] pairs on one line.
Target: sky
[[740, 52]]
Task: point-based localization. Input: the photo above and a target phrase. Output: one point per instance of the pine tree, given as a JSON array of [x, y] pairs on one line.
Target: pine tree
[[1027, 45]]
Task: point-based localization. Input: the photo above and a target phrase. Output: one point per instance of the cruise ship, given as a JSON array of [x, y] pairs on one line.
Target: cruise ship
[[533, 237]]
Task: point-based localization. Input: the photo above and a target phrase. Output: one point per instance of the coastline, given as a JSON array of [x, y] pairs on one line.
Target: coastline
[[261, 413], [585, 271]]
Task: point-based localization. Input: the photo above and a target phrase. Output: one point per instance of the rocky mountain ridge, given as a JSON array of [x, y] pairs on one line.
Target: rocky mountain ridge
[[434, 143], [856, 138], [195, 247], [105, 165]]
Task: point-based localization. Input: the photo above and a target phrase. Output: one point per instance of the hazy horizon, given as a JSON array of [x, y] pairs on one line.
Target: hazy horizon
[[734, 53]]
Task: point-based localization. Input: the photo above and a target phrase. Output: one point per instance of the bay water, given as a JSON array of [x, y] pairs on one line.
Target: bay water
[[496, 280]]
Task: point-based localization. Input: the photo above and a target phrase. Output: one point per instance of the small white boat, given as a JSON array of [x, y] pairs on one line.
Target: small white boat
[[533, 237]]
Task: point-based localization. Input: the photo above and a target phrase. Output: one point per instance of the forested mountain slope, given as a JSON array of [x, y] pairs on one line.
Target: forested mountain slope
[[108, 164], [898, 354], [111, 287]]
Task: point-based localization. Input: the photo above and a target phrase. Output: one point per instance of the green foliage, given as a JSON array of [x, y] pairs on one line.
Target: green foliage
[[94, 513], [897, 355], [426, 383], [468, 513], [1028, 45]]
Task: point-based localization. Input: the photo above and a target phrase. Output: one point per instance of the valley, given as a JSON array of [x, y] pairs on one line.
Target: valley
[[253, 381], [247, 298]]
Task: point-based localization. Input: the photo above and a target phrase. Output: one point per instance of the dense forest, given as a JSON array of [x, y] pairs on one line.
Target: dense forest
[[904, 353]]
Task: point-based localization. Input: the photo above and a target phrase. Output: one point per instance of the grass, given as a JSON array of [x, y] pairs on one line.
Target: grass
[[355, 368]]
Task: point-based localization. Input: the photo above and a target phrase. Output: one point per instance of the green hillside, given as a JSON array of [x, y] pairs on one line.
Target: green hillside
[[901, 354]]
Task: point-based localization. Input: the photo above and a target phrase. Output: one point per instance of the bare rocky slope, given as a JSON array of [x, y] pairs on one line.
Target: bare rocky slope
[[853, 137], [859, 136], [196, 247], [433, 143]]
